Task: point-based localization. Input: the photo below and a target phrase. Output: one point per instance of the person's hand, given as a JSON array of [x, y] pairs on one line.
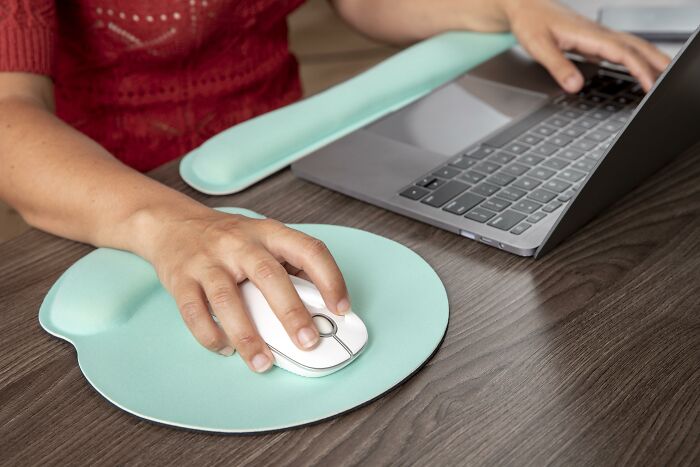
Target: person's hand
[[200, 258], [547, 29]]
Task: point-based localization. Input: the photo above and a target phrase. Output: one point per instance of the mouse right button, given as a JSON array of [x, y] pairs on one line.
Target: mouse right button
[[352, 332]]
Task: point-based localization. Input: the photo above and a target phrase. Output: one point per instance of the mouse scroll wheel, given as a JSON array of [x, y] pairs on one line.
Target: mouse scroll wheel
[[325, 326]]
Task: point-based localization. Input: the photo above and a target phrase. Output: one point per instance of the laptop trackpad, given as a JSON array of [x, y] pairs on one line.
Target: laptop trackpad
[[457, 115]]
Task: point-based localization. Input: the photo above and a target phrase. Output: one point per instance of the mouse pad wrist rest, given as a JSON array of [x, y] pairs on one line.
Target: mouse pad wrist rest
[[134, 348], [246, 153]]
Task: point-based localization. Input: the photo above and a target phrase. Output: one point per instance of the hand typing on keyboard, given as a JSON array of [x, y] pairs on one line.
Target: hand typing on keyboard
[[546, 30], [544, 27]]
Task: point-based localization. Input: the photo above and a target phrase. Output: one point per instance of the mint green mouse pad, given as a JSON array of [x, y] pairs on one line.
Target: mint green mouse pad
[[246, 153], [133, 347]]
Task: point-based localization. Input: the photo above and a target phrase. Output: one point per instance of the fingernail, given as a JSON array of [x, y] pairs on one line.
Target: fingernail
[[227, 351], [343, 306], [572, 83], [261, 362], [307, 337]]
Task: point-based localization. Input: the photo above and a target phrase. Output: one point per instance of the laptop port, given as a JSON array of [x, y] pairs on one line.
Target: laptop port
[[465, 233]]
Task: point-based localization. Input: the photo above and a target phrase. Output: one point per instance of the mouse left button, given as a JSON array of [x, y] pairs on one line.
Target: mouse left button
[[308, 292]]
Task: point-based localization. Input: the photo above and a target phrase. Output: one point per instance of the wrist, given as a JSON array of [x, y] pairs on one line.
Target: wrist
[[146, 228], [486, 16]]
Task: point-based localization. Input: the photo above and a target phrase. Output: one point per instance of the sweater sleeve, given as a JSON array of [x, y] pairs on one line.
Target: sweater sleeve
[[27, 35]]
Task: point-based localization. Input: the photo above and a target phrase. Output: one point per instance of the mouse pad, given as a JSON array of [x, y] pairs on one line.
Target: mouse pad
[[134, 348]]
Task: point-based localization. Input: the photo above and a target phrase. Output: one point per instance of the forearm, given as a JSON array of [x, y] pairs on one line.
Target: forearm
[[64, 183], [403, 21]]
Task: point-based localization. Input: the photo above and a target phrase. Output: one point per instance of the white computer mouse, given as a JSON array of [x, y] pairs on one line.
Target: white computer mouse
[[342, 337]]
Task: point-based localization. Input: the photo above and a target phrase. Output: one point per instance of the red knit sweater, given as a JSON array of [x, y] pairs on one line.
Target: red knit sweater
[[152, 79]]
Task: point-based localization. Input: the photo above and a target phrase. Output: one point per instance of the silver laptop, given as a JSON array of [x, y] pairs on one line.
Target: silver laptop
[[503, 157]]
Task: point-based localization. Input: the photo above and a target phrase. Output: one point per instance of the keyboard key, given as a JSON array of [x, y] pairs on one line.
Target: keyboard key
[[564, 198], [500, 179], [587, 123], [546, 149], [502, 158], [464, 162], [572, 176], [597, 154], [574, 131], [612, 107], [600, 114], [560, 140], [570, 154], [487, 167], [598, 135], [511, 194], [636, 90], [495, 204], [507, 220], [595, 98], [480, 152], [530, 159], [520, 228], [480, 215], [614, 86], [445, 193], [612, 127], [435, 184], [425, 181], [571, 114], [555, 163], [536, 217], [414, 192], [558, 121], [553, 206], [556, 185], [447, 172], [544, 130], [472, 177], [485, 189], [517, 148], [624, 100], [463, 203], [516, 169], [530, 139], [541, 173], [526, 183], [584, 164], [583, 105], [541, 195], [584, 144], [621, 118], [526, 206]]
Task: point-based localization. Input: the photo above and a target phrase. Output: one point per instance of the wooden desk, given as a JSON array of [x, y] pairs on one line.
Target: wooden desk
[[590, 355]]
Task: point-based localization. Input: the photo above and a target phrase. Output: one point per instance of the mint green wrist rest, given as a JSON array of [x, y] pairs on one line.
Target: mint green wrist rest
[[246, 153], [134, 348]]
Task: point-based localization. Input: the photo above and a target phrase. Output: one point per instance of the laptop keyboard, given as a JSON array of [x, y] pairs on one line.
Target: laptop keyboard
[[530, 170]]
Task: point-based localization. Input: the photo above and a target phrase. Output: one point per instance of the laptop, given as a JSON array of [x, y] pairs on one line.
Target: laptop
[[502, 156]]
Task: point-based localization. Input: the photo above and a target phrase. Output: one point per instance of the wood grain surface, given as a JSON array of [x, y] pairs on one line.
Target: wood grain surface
[[588, 356]]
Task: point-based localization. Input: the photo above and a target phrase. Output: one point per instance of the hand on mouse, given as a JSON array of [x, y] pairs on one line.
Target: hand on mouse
[[200, 258], [547, 29]]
